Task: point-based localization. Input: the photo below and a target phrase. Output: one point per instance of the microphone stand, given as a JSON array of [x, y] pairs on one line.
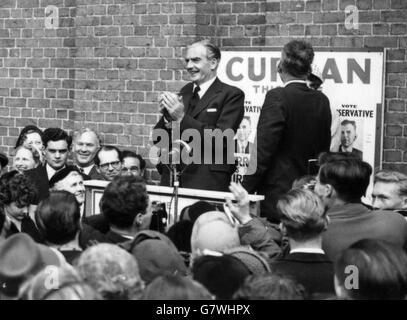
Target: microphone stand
[[175, 175], [174, 182]]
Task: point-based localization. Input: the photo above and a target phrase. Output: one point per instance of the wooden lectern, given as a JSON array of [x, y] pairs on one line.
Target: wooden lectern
[[186, 197]]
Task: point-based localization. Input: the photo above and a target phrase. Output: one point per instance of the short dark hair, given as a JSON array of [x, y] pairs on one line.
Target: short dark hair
[[107, 148], [123, 199], [27, 130], [346, 121], [58, 216], [325, 157], [381, 270], [56, 134], [16, 187], [270, 286], [350, 177], [298, 58], [132, 154], [213, 51]]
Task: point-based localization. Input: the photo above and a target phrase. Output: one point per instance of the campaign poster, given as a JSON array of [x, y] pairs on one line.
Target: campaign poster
[[353, 82]]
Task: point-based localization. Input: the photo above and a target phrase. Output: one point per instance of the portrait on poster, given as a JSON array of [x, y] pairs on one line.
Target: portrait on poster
[[353, 82]]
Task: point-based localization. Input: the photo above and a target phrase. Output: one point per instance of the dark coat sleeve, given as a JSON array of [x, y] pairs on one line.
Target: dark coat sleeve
[[270, 129], [262, 236]]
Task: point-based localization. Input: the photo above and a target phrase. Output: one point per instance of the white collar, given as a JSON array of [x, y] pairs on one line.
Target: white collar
[[342, 149], [86, 170], [50, 171], [204, 87], [307, 250], [295, 81], [127, 237], [16, 222]]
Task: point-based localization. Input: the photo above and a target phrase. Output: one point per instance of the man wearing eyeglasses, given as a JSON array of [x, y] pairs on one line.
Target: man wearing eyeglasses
[[109, 162]]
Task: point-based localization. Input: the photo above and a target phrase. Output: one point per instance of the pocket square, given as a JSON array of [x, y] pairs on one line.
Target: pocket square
[[212, 110]]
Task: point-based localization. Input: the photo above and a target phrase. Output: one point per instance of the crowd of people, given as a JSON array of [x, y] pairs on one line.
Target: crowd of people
[[327, 245], [311, 238]]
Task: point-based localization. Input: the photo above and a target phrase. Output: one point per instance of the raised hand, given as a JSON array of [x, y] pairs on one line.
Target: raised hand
[[240, 209]]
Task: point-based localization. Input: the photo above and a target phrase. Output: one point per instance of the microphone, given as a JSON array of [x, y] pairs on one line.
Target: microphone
[[177, 147], [181, 144]]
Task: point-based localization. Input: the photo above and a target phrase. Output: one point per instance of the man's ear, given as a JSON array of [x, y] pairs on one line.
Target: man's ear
[[282, 228], [404, 203], [330, 191], [214, 63], [327, 190], [326, 222], [138, 220]]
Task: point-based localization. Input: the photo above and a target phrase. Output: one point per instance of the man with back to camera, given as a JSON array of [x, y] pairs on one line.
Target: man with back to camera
[[341, 183], [204, 103], [294, 126], [348, 137]]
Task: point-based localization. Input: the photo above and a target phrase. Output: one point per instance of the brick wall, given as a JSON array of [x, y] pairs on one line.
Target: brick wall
[[108, 60]]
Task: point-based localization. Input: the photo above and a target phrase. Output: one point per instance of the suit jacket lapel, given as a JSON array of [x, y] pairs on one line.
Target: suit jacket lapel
[[42, 170], [187, 95], [211, 93]]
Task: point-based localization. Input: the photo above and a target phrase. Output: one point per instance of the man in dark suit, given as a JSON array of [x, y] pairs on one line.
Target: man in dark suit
[[294, 127], [57, 144], [348, 137], [304, 219], [125, 209], [85, 146], [109, 162], [207, 104], [243, 145], [341, 182]]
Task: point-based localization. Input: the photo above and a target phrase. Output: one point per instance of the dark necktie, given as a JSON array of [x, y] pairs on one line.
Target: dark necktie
[[81, 170], [194, 100]]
